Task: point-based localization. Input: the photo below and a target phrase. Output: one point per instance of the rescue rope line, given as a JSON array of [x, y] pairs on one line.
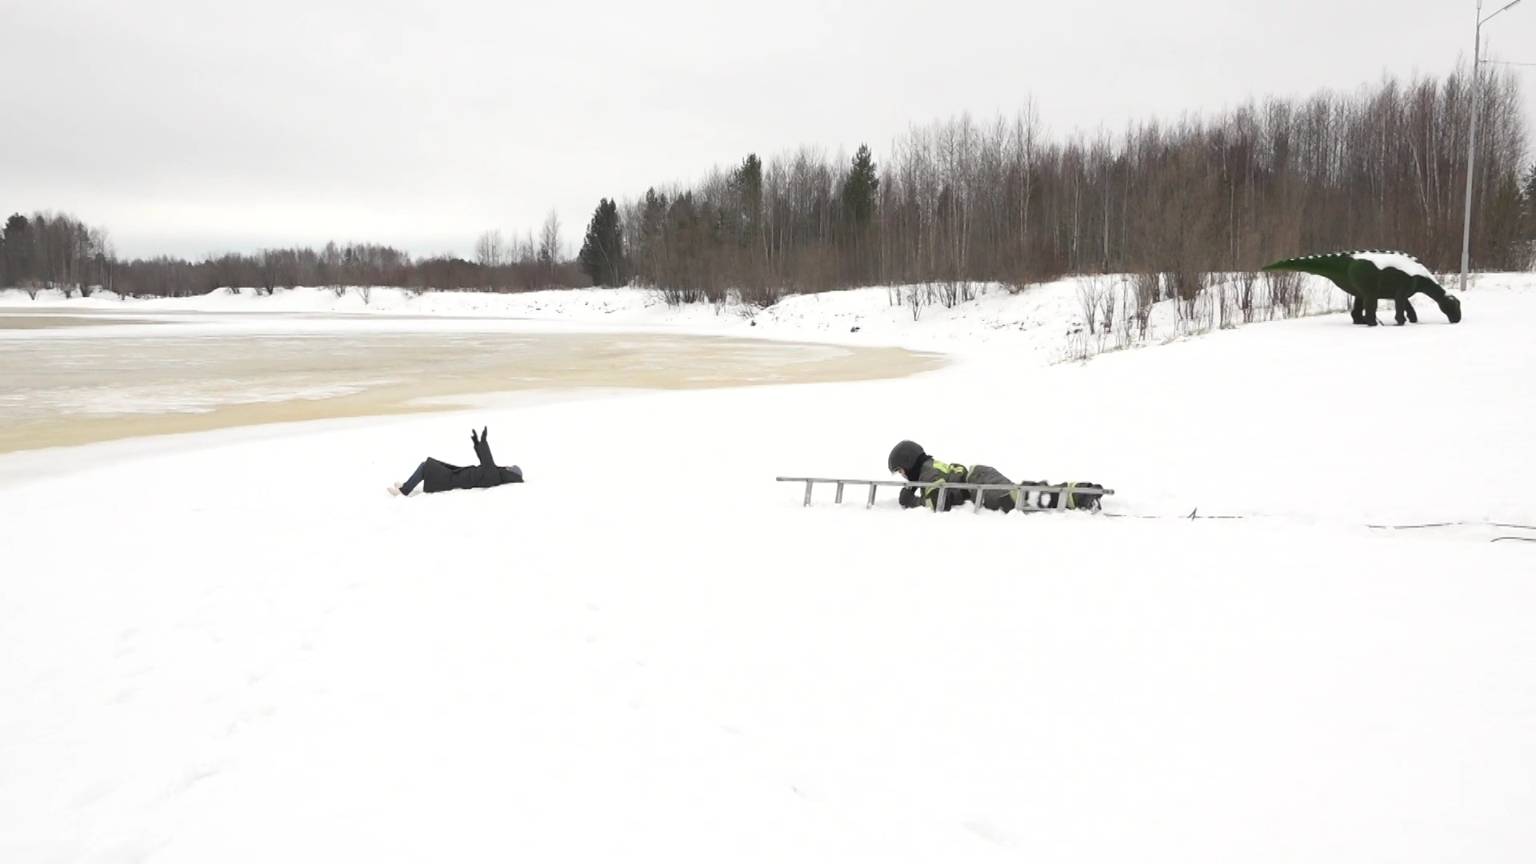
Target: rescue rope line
[[1195, 514]]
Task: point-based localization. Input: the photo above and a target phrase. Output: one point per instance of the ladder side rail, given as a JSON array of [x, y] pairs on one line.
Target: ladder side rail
[[1012, 487]]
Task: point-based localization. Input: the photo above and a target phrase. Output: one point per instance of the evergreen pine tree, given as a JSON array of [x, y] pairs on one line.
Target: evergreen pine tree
[[858, 196], [602, 251], [17, 251], [747, 184], [648, 246], [859, 190]]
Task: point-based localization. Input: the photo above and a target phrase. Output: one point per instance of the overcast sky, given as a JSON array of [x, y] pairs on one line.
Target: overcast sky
[[197, 126]]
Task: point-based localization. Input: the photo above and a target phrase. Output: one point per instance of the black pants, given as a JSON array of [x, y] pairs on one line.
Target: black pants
[[410, 485]]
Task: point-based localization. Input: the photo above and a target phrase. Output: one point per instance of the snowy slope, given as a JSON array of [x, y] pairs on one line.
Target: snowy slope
[[832, 317], [1040, 318], [236, 648]]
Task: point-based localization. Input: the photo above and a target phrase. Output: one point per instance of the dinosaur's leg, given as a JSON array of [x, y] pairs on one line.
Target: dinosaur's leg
[[1413, 317], [1366, 279], [1357, 310], [1397, 285], [1401, 307]]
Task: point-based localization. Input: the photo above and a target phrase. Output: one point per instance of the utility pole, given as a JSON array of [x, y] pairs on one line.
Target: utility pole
[[1466, 219]]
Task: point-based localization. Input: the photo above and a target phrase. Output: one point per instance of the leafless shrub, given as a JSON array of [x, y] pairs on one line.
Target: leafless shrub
[[1228, 298], [1245, 280], [1186, 287], [1286, 298], [954, 291], [1106, 308], [1147, 286], [919, 296], [1079, 344], [1128, 316], [1090, 294], [949, 293], [1198, 314], [761, 294]]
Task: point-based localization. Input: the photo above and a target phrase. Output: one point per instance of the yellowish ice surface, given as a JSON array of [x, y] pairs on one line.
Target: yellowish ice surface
[[51, 322], [60, 390]]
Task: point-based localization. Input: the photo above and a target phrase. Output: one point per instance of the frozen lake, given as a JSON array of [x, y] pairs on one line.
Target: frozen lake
[[69, 381]]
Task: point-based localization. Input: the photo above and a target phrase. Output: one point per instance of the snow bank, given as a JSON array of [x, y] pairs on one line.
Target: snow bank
[[1044, 317], [873, 316], [1048, 317]]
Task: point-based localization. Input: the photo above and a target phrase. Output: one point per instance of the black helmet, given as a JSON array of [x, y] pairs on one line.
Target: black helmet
[[906, 457]]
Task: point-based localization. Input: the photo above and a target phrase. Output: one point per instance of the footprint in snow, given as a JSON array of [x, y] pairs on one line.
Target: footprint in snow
[[196, 774], [988, 832]]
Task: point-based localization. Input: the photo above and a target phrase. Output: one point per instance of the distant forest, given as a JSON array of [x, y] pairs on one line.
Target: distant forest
[[54, 250], [959, 201]]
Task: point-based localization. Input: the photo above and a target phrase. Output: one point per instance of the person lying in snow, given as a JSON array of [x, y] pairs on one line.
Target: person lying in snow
[[435, 476], [909, 461]]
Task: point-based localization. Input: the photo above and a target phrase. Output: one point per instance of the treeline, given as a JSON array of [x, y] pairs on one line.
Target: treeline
[[60, 252], [1000, 201], [959, 201], [54, 249]]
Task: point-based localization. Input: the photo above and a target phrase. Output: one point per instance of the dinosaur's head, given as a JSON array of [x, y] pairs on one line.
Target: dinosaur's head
[[1451, 307]]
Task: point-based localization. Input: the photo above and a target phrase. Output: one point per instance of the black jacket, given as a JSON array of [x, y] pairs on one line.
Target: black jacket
[[931, 471], [1085, 496], [441, 477]]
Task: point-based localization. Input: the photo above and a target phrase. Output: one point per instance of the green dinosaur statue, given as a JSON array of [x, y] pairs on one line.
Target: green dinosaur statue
[[1373, 275]]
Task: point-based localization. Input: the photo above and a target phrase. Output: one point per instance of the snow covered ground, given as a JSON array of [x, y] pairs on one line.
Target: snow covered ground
[[235, 647], [1039, 320]]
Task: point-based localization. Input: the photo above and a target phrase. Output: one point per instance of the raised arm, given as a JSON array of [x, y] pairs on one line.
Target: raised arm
[[482, 446]]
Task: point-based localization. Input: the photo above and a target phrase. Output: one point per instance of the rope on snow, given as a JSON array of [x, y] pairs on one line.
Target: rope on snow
[[1195, 514]]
